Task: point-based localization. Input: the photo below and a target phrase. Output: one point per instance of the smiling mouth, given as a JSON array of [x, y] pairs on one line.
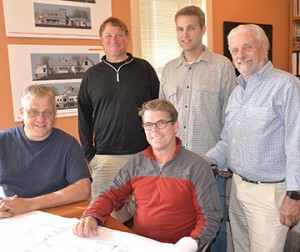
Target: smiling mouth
[[242, 62], [156, 137], [40, 126]]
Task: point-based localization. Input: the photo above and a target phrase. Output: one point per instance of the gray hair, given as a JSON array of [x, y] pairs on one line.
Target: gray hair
[[256, 30], [35, 90]]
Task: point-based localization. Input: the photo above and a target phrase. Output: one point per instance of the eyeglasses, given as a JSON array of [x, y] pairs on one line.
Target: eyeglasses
[[35, 113], [111, 36], [161, 124]]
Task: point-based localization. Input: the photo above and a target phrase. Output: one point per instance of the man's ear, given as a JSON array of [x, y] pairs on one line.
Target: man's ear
[[176, 126], [203, 29], [266, 50]]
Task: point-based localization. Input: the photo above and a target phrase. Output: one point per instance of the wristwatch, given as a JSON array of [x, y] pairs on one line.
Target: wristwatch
[[295, 195]]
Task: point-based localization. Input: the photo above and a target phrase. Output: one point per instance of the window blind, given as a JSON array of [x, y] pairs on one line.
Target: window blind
[[158, 30]]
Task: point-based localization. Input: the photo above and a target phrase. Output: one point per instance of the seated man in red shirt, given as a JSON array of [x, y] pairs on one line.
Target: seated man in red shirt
[[174, 189]]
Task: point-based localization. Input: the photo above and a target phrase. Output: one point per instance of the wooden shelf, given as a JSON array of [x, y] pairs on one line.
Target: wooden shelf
[[294, 37]]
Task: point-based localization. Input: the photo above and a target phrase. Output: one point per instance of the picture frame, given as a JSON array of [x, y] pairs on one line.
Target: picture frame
[[55, 18], [60, 67]]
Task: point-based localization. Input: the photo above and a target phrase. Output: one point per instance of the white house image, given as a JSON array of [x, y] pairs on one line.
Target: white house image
[[41, 71], [59, 17], [67, 100], [62, 65], [56, 67]]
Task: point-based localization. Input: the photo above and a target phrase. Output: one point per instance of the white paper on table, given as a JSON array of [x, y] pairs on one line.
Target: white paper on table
[[39, 231]]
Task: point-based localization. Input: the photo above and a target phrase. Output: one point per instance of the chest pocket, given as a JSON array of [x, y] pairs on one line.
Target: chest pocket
[[171, 92], [259, 118]]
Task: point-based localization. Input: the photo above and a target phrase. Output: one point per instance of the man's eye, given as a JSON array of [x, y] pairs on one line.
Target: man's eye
[[248, 47], [48, 113], [191, 28], [234, 51], [161, 123], [148, 124], [108, 36], [33, 112]]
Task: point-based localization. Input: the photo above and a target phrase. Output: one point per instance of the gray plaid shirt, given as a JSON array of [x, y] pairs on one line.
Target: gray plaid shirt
[[200, 92]]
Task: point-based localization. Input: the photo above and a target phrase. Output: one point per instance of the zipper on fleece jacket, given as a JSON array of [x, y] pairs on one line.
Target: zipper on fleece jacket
[[118, 70]]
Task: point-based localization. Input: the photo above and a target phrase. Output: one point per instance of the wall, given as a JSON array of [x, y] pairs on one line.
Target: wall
[[120, 8], [273, 12]]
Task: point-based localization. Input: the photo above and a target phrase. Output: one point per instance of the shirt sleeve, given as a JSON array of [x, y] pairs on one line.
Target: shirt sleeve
[[154, 82], [218, 154], [229, 83], [76, 164], [111, 197], [207, 201], [85, 120], [292, 136]]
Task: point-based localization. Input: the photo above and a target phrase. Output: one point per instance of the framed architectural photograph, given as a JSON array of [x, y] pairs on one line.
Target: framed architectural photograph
[[60, 67], [62, 16], [55, 18]]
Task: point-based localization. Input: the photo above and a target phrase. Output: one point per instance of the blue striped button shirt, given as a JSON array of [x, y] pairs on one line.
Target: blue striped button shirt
[[261, 137]]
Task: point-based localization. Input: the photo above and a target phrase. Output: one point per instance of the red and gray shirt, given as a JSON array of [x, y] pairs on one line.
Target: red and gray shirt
[[179, 200]]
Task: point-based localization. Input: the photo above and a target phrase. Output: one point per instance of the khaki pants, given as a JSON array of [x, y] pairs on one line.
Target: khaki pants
[[104, 168], [254, 213]]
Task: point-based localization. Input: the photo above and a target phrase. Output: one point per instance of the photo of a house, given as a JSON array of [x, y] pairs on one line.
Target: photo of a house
[[65, 95], [62, 16], [69, 19], [58, 66], [61, 66]]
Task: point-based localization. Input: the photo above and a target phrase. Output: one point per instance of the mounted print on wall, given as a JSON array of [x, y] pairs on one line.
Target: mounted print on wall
[[54, 66], [60, 67], [55, 18], [62, 16]]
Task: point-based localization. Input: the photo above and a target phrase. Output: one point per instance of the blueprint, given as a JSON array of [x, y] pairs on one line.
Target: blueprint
[[39, 231]]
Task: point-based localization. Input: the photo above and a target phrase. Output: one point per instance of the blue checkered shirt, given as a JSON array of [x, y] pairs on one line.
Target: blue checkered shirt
[[261, 137]]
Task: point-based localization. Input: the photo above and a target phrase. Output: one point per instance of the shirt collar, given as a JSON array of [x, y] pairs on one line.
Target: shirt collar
[[130, 57], [259, 74], [205, 56]]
